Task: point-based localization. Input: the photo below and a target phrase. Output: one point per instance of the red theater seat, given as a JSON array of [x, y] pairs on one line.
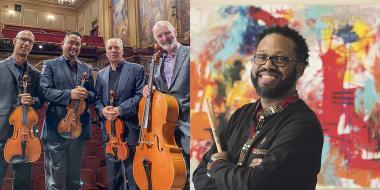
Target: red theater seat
[[91, 162], [102, 178], [7, 183], [39, 182], [88, 178], [38, 168]]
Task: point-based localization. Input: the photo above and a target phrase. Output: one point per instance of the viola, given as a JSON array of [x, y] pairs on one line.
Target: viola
[[116, 146], [24, 146], [70, 126], [158, 162]]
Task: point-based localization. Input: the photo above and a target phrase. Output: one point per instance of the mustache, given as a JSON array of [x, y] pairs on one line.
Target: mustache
[[274, 71]]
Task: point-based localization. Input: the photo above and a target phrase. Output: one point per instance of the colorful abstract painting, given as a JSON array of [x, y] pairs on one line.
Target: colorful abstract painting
[[341, 85], [120, 20], [150, 12]]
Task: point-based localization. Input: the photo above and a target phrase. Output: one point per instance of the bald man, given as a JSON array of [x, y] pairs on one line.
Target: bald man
[[12, 70]]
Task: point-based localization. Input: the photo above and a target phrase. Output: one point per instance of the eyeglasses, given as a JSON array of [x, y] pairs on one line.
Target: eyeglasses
[[279, 61], [73, 42], [24, 40]]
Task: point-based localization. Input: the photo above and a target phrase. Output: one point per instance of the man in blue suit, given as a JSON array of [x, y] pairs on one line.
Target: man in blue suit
[[127, 80], [59, 85]]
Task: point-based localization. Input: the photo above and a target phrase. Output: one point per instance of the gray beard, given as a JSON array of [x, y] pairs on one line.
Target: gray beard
[[171, 46]]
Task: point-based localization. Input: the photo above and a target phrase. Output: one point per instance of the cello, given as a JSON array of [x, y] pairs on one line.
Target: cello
[[116, 147], [157, 153], [23, 146], [70, 126]]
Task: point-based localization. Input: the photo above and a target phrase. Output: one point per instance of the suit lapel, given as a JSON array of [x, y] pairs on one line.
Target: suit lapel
[[161, 75], [124, 76], [14, 73], [106, 78], [66, 70], [180, 58], [80, 71]]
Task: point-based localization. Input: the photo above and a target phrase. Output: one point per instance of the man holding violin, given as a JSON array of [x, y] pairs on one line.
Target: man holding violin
[[172, 76], [63, 82], [127, 81], [12, 71]]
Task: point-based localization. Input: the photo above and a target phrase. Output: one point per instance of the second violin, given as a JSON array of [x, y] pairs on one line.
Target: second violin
[[116, 147], [70, 126]]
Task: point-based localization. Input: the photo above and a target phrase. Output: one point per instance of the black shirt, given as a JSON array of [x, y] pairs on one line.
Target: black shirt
[[21, 70], [73, 70], [114, 77], [290, 144]]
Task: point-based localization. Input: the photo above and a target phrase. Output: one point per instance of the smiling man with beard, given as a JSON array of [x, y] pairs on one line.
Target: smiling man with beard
[[59, 85], [172, 76], [275, 142]]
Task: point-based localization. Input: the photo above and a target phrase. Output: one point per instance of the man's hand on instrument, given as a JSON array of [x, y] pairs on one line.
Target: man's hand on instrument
[[109, 113], [116, 111], [26, 99], [255, 162], [219, 156], [79, 93], [146, 90]]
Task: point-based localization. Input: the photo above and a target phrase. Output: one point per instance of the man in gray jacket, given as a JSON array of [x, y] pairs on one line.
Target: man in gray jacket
[[172, 76], [12, 70]]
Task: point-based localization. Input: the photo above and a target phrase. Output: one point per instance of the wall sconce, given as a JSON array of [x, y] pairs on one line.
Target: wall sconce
[[11, 12], [50, 17]]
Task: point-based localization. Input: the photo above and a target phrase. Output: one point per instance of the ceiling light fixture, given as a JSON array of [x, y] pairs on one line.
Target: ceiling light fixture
[[66, 2]]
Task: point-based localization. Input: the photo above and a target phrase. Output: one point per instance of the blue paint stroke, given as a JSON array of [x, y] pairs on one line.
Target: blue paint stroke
[[232, 44], [366, 98], [328, 168], [318, 12], [347, 34]]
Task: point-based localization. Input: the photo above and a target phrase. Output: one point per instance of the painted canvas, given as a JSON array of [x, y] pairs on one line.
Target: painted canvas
[[150, 12], [120, 20], [341, 85]]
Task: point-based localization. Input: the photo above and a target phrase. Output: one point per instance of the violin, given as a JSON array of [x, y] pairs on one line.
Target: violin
[[70, 126], [116, 146], [24, 146], [157, 153]]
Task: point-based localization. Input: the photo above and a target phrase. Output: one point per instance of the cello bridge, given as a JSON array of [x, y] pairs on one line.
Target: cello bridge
[[149, 143]]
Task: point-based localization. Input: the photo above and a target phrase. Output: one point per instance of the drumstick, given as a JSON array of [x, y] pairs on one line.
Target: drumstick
[[214, 129]]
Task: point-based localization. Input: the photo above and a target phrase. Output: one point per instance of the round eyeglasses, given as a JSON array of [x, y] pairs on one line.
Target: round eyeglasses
[[279, 61]]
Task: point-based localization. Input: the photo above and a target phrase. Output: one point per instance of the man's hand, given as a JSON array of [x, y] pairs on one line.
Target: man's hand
[[79, 93], [116, 111], [109, 113], [26, 99], [146, 90], [255, 162], [219, 156]]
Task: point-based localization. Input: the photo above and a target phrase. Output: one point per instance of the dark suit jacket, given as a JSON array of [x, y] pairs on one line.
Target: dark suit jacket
[[129, 93], [179, 87], [9, 90], [55, 85]]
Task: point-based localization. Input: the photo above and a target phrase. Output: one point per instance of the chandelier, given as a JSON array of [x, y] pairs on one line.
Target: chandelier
[[66, 2]]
